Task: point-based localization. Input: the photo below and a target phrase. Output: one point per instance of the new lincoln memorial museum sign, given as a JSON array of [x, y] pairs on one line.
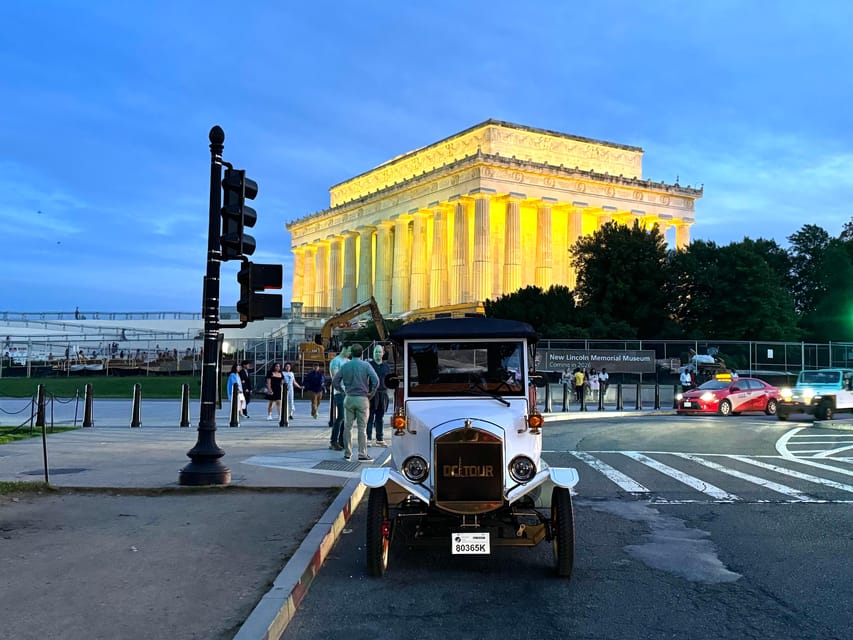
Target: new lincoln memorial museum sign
[[477, 215]]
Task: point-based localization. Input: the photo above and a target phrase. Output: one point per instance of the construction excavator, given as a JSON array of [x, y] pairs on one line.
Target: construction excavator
[[327, 340]]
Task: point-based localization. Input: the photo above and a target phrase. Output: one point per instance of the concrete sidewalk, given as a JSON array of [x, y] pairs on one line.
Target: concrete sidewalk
[[289, 499]]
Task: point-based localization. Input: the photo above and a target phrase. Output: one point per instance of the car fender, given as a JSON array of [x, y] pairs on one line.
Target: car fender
[[544, 480], [376, 477]]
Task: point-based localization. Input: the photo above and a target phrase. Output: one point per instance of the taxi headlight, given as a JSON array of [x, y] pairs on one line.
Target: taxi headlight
[[522, 469], [679, 396], [416, 469], [707, 396]]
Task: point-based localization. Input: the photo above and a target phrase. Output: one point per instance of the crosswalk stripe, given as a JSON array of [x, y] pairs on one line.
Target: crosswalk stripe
[[690, 481], [614, 475], [795, 474], [773, 486], [820, 465]]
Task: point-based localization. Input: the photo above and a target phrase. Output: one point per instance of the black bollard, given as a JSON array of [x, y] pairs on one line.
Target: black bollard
[[565, 396], [185, 405], [88, 417], [657, 396], [675, 396], [548, 406], [136, 412], [331, 407], [620, 405], [601, 398], [639, 405], [235, 406], [283, 420], [40, 404]]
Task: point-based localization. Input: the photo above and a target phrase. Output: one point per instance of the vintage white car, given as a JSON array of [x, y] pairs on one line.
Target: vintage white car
[[466, 470]]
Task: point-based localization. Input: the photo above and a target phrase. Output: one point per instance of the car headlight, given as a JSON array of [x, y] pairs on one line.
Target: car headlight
[[416, 469], [522, 469], [808, 394], [679, 396], [786, 393], [708, 396]]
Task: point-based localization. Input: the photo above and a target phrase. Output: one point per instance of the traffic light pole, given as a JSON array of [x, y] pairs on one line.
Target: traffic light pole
[[205, 467]]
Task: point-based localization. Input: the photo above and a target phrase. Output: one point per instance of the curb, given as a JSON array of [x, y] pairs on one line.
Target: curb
[[276, 609]]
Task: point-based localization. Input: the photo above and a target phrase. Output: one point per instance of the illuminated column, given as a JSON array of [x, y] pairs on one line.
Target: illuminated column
[[321, 275], [682, 235], [402, 270], [561, 256], [335, 273], [384, 256], [497, 231], [365, 262], [544, 259], [575, 232], [481, 274], [309, 285], [438, 284], [348, 293], [419, 293], [461, 290], [297, 295], [512, 244], [606, 216]]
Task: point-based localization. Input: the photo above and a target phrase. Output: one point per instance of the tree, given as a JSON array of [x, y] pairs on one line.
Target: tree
[[831, 317], [621, 278], [552, 313], [807, 282]]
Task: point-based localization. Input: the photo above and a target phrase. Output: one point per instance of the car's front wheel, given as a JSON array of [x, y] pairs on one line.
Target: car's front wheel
[[563, 531], [378, 532], [725, 408], [825, 411], [770, 409]]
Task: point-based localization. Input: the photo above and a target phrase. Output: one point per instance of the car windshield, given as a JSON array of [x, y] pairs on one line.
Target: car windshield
[[820, 377], [439, 368], [713, 385]]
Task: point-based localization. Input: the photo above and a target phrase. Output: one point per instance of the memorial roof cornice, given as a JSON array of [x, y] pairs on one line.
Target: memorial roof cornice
[[507, 162]]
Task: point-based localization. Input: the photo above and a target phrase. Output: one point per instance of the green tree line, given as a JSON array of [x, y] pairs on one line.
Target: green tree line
[[630, 286]]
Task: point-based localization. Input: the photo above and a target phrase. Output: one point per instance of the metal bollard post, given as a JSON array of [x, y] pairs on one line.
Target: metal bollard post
[[548, 407], [283, 420], [601, 398], [620, 405], [331, 406], [40, 412], [235, 404], [565, 396], [88, 417], [136, 413], [185, 405], [639, 405], [675, 396], [657, 396]]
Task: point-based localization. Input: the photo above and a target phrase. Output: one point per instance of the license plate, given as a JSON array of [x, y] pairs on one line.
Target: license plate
[[469, 543], [688, 403]]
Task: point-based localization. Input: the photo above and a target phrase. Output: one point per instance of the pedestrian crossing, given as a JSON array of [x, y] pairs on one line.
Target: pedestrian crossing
[[680, 477]]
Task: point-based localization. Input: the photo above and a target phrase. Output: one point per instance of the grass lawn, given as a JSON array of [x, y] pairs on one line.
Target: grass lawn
[[164, 387], [11, 434]]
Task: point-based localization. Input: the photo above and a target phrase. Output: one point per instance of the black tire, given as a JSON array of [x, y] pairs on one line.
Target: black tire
[[725, 408], [825, 411], [563, 531], [771, 407], [378, 544]]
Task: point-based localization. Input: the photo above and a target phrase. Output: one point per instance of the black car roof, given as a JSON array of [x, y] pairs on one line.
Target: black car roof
[[464, 328]]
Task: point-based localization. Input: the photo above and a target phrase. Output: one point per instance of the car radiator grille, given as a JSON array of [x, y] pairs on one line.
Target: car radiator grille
[[468, 471]]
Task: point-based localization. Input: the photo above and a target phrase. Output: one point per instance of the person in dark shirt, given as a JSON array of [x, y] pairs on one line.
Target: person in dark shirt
[[379, 401], [315, 383]]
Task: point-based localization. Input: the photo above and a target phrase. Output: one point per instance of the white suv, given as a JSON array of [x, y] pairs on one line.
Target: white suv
[[466, 470]]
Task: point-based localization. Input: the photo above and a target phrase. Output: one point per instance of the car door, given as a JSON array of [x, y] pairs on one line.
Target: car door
[[739, 395]]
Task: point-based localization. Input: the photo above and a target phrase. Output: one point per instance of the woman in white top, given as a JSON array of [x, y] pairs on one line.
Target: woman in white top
[[290, 380], [593, 384]]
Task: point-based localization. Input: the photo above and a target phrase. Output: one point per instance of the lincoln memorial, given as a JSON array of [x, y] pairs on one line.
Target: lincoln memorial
[[477, 215]]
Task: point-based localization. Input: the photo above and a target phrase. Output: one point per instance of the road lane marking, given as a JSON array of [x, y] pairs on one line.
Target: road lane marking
[[782, 443], [831, 452], [767, 484], [690, 481], [820, 465], [614, 475], [795, 474]]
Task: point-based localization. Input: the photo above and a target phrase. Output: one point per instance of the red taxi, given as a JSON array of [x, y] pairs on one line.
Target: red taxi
[[729, 397]]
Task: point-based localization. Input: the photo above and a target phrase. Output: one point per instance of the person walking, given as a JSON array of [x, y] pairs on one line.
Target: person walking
[[246, 380], [379, 401], [235, 381], [361, 382], [578, 378], [336, 440], [289, 379], [315, 383], [274, 385]]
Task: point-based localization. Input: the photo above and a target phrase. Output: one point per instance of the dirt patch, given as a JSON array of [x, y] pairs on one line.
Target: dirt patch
[[162, 564]]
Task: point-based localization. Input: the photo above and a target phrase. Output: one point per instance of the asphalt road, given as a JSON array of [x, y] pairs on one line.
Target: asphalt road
[[685, 528]]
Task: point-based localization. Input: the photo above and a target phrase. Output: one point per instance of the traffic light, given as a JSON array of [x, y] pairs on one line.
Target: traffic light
[[236, 216], [257, 277]]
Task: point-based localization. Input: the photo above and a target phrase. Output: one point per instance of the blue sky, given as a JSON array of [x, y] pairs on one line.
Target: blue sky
[[104, 159]]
